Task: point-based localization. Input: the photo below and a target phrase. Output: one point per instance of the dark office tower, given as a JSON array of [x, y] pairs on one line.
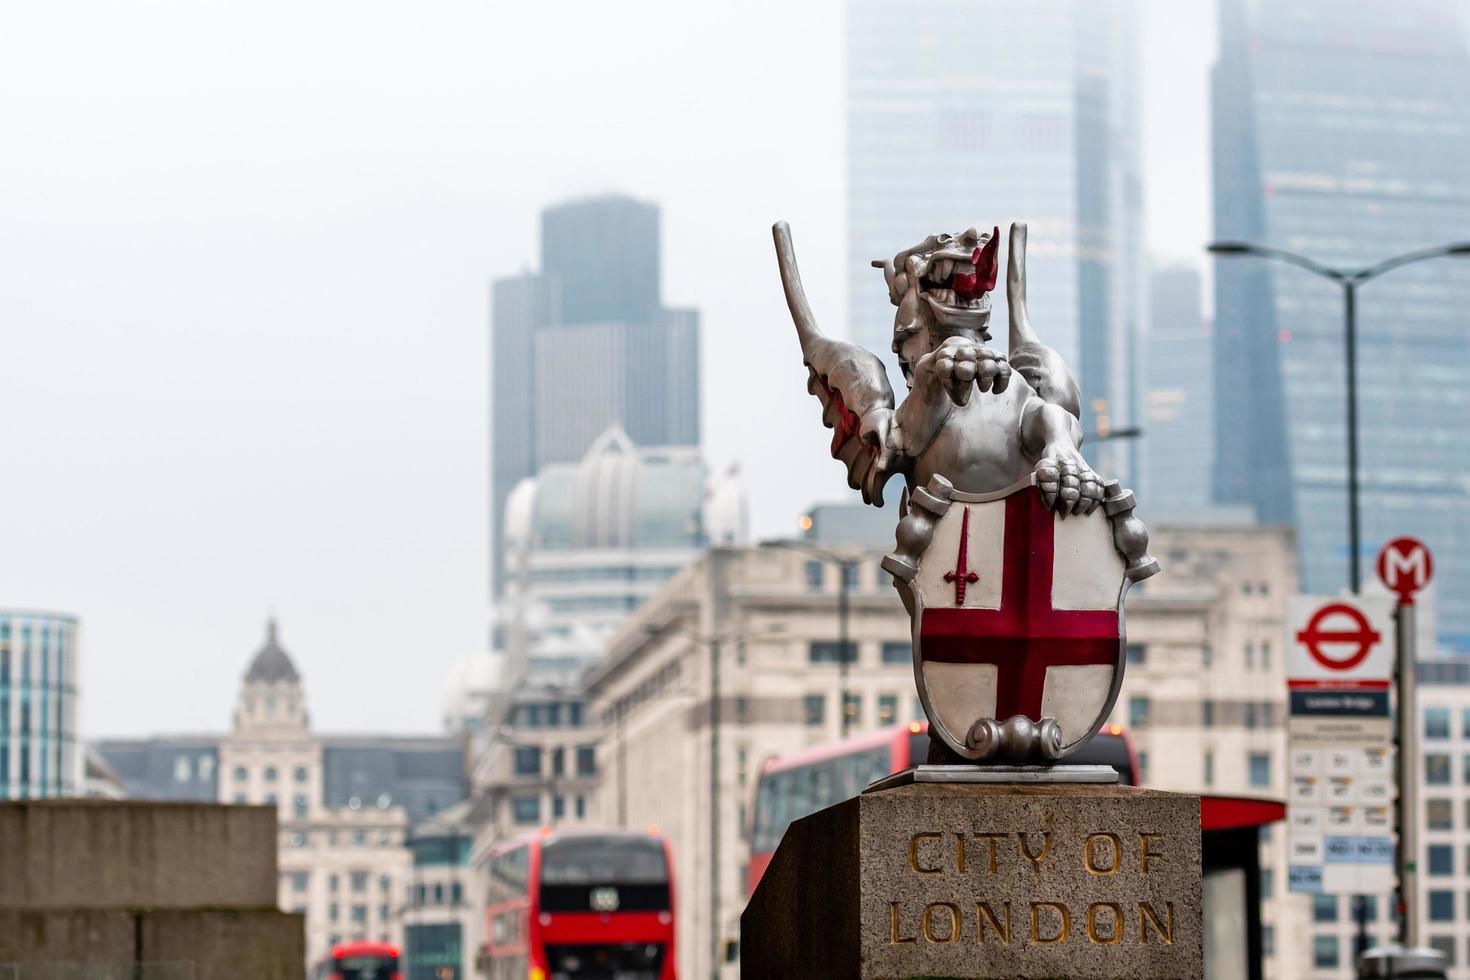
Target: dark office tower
[[586, 344], [1342, 131], [1179, 407], [605, 252], [961, 113]]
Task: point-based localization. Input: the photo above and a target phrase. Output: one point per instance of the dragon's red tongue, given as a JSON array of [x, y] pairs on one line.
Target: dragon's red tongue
[[982, 280]]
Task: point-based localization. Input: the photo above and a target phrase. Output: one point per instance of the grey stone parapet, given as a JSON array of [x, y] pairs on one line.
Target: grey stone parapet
[[984, 880]]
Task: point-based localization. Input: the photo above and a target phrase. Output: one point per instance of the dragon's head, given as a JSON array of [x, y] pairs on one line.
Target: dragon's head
[[941, 287]]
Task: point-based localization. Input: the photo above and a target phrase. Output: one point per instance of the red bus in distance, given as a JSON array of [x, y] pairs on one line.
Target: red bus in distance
[[792, 786], [359, 959], [580, 905]]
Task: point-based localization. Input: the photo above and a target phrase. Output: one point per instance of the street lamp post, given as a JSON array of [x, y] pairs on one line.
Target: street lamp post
[[846, 571], [1349, 280], [715, 644]]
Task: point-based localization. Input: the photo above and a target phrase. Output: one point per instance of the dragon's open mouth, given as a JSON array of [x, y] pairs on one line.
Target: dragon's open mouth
[[954, 284]]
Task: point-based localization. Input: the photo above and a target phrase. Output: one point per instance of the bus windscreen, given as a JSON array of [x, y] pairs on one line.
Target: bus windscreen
[[604, 873]]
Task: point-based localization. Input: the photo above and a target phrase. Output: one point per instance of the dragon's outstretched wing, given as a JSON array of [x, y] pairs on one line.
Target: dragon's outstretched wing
[[1042, 367], [850, 382]]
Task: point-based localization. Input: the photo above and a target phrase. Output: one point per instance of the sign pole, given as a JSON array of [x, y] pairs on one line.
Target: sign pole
[[1408, 755]]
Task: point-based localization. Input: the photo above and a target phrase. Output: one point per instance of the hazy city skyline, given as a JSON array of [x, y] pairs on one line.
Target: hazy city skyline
[[248, 251]]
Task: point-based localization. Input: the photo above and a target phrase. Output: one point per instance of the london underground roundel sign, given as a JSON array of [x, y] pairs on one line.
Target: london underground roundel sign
[[1405, 566]]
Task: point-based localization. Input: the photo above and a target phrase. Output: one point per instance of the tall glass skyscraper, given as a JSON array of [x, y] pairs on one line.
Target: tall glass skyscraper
[[38, 705], [1179, 448], [965, 114], [1342, 131], [585, 344]]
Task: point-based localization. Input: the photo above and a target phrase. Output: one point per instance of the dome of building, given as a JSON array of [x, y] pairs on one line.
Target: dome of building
[[618, 495], [271, 662]]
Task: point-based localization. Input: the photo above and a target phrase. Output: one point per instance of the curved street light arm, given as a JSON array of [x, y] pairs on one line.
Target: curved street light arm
[[1281, 255], [1418, 255]]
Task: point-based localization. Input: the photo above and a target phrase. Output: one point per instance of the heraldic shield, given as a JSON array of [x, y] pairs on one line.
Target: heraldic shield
[[1017, 611]]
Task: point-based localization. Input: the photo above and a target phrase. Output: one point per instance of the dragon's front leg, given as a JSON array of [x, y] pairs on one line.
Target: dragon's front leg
[[1051, 436]]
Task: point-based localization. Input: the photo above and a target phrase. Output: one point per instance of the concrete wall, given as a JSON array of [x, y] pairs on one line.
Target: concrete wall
[[119, 854], [121, 882]]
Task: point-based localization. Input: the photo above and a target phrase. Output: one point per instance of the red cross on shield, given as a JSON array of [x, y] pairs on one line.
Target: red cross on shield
[[1018, 612]]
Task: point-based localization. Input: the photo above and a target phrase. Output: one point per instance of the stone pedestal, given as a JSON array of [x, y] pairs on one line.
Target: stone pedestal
[[991, 880]]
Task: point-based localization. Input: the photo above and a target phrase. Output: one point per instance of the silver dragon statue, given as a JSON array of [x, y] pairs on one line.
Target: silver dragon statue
[[1018, 646]]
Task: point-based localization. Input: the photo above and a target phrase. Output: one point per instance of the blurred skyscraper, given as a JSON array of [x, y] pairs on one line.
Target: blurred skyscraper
[[1342, 131], [1179, 412], [39, 748], [585, 344], [961, 114]]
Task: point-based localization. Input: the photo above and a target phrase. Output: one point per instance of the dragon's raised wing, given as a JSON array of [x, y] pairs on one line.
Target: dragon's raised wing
[[1042, 367], [850, 382]]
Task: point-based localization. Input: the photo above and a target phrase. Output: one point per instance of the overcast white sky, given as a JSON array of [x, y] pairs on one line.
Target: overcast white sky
[[244, 253]]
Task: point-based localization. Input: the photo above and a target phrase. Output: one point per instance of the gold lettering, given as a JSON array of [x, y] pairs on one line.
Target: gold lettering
[[984, 913], [959, 851], [914, 854], [1117, 930], [893, 939], [1036, 859], [1092, 866], [1144, 853], [954, 923], [1065, 931], [990, 840], [1147, 916]]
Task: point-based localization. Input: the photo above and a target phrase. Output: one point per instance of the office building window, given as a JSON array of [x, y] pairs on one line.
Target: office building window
[[898, 652], [334, 912], [1446, 946], [558, 760], [526, 809], [1268, 881], [581, 807], [1441, 905], [359, 913], [1440, 814], [1142, 767], [1209, 768], [850, 574], [1207, 713], [826, 652], [1441, 859], [270, 774], [359, 881], [586, 760], [815, 708], [1259, 764], [1324, 952], [301, 774], [1136, 653], [1324, 908], [852, 706], [1436, 723], [300, 880], [558, 807], [299, 804], [887, 709], [183, 771], [527, 760], [814, 576], [1465, 722], [1268, 940], [1437, 769], [1250, 715], [241, 774], [1138, 712]]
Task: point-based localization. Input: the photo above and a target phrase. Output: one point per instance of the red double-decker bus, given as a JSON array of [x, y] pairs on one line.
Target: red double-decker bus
[[360, 959], [581, 905], [792, 786]]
